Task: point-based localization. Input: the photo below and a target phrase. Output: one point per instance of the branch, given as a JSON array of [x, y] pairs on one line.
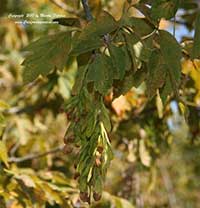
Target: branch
[[86, 8], [35, 155]]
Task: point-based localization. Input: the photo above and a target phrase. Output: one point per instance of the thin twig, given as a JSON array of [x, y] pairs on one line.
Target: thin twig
[[35, 155], [86, 8]]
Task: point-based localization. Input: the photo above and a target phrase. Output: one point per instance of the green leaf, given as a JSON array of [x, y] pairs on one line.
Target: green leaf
[[64, 87], [196, 45], [91, 124], [164, 9], [103, 25], [83, 184], [100, 73], [130, 80], [164, 67], [171, 53], [68, 21], [92, 35], [140, 26], [98, 186], [144, 8], [139, 50], [85, 44], [46, 54], [97, 181], [3, 153], [156, 73], [119, 59], [130, 41], [84, 59], [147, 49], [166, 90], [104, 117], [81, 73]]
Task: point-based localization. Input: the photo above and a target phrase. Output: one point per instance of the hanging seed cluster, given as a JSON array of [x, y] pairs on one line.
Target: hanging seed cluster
[[89, 123]]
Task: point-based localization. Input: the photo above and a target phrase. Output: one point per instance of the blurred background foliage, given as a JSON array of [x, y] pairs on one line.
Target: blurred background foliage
[[156, 164]]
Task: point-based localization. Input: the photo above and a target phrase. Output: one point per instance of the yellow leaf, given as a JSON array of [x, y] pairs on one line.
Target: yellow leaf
[[27, 180], [193, 70], [3, 105], [3, 153], [51, 195], [159, 105], [2, 120], [144, 154], [121, 105], [187, 66], [164, 24], [15, 204]]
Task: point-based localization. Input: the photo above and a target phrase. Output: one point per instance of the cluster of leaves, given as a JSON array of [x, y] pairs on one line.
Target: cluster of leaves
[[29, 188], [110, 55]]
